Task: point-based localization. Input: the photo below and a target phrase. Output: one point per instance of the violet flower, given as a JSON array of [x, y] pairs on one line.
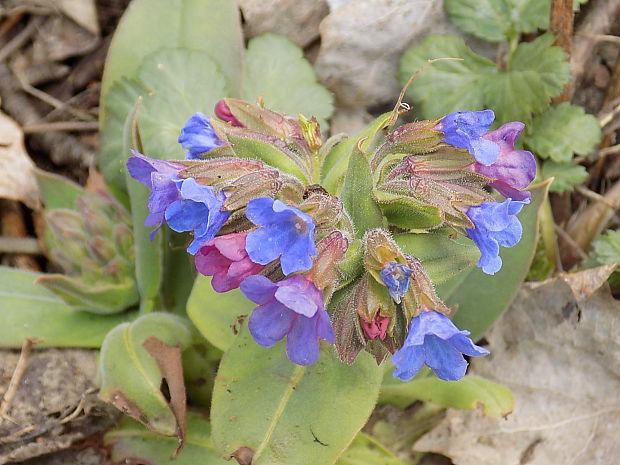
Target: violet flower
[[514, 170], [464, 129], [226, 259], [198, 136], [495, 224], [435, 341], [293, 308], [284, 232]]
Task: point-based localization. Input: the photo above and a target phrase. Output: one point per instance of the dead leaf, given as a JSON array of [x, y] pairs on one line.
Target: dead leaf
[[362, 41], [83, 12], [561, 357], [17, 179], [170, 365], [585, 283]]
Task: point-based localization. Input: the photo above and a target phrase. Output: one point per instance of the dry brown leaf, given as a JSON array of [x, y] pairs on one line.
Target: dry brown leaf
[[83, 12], [17, 179], [561, 357]]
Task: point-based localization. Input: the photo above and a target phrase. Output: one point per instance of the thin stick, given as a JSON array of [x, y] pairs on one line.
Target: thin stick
[[564, 235], [19, 245], [61, 126], [594, 196], [18, 374], [395, 112], [608, 117], [20, 39], [601, 37]]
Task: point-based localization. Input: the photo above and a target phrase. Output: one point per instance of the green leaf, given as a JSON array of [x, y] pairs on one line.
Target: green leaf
[[407, 212], [498, 20], [131, 442], [441, 256], [565, 175], [468, 393], [296, 422], [57, 191], [562, 131], [216, 315], [446, 86], [135, 359], [482, 298], [536, 73], [31, 311], [336, 161], [251, 148], [365, 450], [275, 68], [210, 26], [606, 248], [357, 195]]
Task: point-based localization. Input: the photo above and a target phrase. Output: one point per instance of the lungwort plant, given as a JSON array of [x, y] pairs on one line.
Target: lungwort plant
[[236, 238]]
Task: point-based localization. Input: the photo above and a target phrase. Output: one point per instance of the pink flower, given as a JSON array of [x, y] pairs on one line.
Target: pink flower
[[222, 111], [514, 170], [225, 259], [377, 328]]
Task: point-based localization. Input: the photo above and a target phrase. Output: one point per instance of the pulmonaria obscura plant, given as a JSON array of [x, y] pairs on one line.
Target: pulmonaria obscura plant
[[319, 255]]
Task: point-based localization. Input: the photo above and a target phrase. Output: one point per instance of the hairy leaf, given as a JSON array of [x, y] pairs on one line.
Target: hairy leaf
[[32, 311], [562, 131], [469, 393], [365, 450], [565, 175], [275, 412]]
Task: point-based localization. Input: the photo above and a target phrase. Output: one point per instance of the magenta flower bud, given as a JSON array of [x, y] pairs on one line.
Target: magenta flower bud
[[222, 111], [226, 259], [377, 328]]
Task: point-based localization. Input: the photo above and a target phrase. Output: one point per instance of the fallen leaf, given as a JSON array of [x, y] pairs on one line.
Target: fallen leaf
[[17, 179], [560, 356], [585, 283], [83, 12], [362, 41]]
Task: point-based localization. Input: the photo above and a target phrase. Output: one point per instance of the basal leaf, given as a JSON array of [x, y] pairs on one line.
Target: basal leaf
[[565, 175], [131, 442], [275, 412], [32, 311], [135, 360], [365, 450], [537, 72], [441, 256], [562, 131], [468, 393], [357, 195], [216, 315], [446, 86], [276, 69], [481, 298]]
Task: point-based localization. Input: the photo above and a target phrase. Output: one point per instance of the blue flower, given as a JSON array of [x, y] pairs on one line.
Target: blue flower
[[465, 129], [495, 224], [199, 210], [435, 341], [293, 308], [285, 232], [197, 136], [158, 176], [396, 278]]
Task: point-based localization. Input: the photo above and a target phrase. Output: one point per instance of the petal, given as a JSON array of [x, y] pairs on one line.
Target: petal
[[268, 242], [465, 345], [297, 257], [302, 344], [445, 361], [511, 235], [185, 215], [140, 167], [506, 134], [210, 261], [295, 298], [485, 152], [260, 211], [509, 192], [259, 289], [408, 362], [324, 327], [232, 246], [429, 322], [270, 322]]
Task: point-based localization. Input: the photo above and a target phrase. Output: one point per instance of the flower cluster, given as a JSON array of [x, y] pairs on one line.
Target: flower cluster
[[261, 222]]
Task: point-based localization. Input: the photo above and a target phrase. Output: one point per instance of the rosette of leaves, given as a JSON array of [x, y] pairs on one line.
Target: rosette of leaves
[[520, 85]]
